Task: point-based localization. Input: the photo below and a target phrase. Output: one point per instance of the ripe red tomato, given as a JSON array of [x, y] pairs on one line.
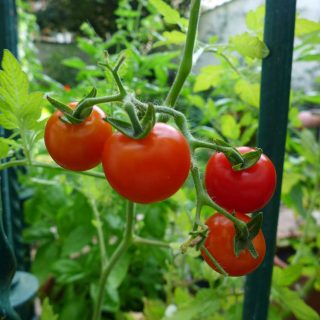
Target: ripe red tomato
[[219, 243], [150, 169], [77, 147], [245, 191]]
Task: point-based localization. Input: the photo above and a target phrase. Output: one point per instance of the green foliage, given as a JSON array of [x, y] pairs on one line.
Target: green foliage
[[47, 312], [66, 210], [20, 110]]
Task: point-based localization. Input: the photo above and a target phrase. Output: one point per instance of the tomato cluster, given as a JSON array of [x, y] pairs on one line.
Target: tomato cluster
[[239, 192], [144, 171], [153, 168]]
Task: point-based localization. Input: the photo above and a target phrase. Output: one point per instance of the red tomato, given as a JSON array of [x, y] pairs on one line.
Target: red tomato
[[150, 169], [219, 243], [245, 191], [77, 147]]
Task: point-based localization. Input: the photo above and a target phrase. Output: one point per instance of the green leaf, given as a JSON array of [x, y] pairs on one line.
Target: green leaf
[[30, 111], [119, 272], [5, 145], [170, 15], [255, 19], [249, 46], [154, 309], [171, 37], [209, 77], [204, 304], [74, 62], [229, 127], [248, 92], [291, 300], [76, 240], [68, 271], [304, 26], [20, 110], [4, 148], [8, 121], [47, 311], [287, 276], [13, 80]]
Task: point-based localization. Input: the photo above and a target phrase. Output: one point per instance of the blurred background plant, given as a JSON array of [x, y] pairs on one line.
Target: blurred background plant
[[222, 101]]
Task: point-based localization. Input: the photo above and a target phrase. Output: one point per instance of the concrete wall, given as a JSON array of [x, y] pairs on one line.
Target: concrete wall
[[229, 19]]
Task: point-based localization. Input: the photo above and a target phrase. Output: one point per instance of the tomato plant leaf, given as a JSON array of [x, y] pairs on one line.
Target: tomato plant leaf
[[249, 46], [248, 92], [286, 277], [170, 15], [4, 148], [291, 301], [305, 26], [255, 19], [209, 76], [171, 37], [47, 312], [229, 127]]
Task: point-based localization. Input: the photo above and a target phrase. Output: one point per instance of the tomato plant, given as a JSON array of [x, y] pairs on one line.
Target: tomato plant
[[150, 169], [220, 244], [245, 191], [77, 147]]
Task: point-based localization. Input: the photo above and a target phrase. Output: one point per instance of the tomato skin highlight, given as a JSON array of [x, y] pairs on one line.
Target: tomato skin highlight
[[150, 169], [77, 147], [219, 243], [244, 191]]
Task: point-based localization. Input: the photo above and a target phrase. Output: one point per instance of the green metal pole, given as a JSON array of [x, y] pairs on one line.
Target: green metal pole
[[274, 106]]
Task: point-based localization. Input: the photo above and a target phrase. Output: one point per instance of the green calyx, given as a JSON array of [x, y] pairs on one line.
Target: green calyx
[[243, 241], [136, 128], [77, 115]]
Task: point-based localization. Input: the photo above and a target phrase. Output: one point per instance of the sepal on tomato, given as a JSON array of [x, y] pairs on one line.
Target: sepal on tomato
[[82, 112], [240, 243], [135, 130], [250, 159]]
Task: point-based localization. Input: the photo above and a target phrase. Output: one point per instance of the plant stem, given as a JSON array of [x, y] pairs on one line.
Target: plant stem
[[25, 162], [157, 243], [214, 261], [99, 226], [186, 62], [121, 249]]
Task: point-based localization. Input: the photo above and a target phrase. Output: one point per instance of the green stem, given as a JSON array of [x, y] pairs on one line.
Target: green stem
[[25, 162], [151, 242], [186, 62], [130, 109], [199, 191], [195, 144], [98, 175], [121, 249], [89, 102], [222, 55], [240, 225], [99, 226], [13, 163], [214, 261]]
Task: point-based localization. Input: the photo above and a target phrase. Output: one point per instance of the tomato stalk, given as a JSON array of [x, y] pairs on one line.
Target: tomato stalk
[[120, 250], [187, 58], [214, 261]]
